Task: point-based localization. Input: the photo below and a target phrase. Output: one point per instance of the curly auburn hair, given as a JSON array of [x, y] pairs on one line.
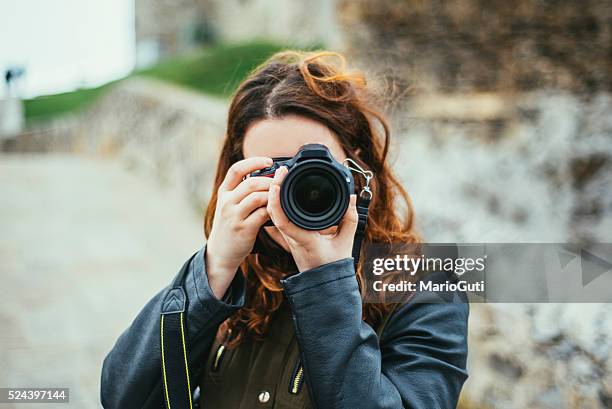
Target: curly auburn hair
[[318, 86]]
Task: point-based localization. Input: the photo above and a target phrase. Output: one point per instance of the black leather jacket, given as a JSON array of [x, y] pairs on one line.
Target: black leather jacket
[[418, 362]]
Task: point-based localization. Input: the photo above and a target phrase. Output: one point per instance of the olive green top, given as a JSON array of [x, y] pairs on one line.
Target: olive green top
[[257, 374]]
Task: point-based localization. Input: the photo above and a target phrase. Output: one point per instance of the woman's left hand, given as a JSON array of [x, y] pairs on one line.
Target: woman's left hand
[[309, 248]]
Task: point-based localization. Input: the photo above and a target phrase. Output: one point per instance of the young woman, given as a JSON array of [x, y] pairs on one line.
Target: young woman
[[284, 326]]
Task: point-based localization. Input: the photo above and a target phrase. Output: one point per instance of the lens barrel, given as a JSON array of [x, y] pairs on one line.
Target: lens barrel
[[315, 193]]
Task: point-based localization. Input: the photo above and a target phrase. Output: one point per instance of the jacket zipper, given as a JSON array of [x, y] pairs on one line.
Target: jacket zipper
[[297, 379], [218, 358]]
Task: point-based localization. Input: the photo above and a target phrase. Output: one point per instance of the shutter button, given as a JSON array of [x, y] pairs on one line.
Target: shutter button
[[264, 397]]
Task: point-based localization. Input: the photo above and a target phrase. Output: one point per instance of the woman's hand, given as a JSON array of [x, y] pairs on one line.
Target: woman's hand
[[240, 213], [312, 249]]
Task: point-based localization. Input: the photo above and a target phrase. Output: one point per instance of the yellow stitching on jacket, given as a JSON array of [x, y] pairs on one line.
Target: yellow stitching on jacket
[[186, 367], [218, 356], [164, 363]]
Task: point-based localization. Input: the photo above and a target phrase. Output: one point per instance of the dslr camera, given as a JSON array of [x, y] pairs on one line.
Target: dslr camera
[[316, 191]]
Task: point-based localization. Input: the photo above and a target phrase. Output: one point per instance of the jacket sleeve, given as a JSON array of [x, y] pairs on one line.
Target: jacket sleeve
[[420, 361], [131, 372]]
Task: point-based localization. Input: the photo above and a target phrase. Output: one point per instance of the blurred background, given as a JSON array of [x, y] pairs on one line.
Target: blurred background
[[112, 114]]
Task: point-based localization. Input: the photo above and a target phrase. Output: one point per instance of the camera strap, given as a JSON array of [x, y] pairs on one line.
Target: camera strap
[[175, 368], [363, 205]]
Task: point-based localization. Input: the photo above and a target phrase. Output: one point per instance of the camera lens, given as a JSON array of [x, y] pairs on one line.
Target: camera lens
[[315, 193]]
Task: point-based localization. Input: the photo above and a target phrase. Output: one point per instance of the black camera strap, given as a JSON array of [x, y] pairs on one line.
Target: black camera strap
[[363, 204], [174, 364]]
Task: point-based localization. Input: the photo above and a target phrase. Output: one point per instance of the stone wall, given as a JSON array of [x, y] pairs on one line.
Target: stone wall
[[500, 179], [494, 45], [157, 128], [526, 167], [170, 132]]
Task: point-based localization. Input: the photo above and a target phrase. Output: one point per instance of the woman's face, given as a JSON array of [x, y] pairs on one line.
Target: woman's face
[[274, 138]]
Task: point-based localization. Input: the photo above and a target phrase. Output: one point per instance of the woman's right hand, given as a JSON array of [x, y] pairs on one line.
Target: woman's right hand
[[240, 213]]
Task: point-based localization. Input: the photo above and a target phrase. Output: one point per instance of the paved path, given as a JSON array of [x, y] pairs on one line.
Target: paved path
[[84, 243]]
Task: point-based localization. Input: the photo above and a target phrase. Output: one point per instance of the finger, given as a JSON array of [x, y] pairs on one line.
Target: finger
[[249, 185], [279, 175], [278, 216], [240, 169], [275, 209], [348, 224], [251, 202], [258, 218]]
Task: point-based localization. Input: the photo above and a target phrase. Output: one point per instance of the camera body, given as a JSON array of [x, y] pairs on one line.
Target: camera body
[[316, 191]]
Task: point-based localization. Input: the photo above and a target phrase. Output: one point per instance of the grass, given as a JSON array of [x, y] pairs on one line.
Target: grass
[[216, 70], [48, 106]]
